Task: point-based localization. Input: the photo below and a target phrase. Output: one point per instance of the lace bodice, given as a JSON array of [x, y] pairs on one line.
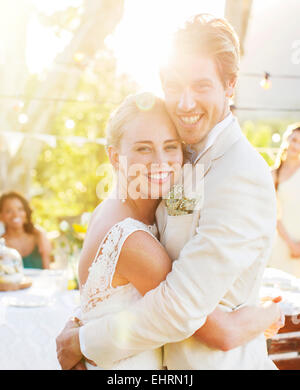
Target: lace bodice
[[98, 287]]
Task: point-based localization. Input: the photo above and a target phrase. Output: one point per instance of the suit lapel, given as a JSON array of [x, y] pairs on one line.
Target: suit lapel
[[225, 140], [229, 136]]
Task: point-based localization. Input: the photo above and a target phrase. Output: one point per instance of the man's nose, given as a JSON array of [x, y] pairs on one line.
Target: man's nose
[[186, 102]]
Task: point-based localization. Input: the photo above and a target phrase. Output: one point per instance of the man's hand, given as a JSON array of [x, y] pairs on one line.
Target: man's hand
[[280, 318], [68, 347]]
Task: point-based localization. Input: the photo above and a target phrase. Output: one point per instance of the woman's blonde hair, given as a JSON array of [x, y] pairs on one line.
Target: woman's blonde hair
[[127, 111], [213, 36], [281, 157]]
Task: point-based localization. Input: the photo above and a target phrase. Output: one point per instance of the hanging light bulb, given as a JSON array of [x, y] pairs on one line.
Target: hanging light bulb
[[79, 57], [23, 118], [266, 82], [70, 124], [276, 138]]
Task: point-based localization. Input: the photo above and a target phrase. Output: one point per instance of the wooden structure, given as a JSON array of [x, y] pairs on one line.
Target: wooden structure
[[284, 348]]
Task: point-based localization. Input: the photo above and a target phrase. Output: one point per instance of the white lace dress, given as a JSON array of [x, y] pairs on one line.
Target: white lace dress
[[99, 297]]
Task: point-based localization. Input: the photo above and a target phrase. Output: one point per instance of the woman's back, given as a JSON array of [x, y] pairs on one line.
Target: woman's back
[[99, 296]]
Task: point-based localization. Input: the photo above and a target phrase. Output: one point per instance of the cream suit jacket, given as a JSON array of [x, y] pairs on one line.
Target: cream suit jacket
[[220, 251]]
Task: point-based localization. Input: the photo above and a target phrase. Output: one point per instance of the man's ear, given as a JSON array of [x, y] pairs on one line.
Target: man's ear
[[231, 84], [113, 156]]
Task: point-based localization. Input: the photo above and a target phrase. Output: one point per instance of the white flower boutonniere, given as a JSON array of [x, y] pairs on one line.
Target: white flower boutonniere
[[177, 203]]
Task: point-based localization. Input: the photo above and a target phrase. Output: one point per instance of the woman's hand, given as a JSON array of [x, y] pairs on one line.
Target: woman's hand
[[271, 304]]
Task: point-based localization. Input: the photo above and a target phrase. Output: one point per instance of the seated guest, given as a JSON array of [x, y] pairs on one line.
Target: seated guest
[[21, 234], [286, 250]]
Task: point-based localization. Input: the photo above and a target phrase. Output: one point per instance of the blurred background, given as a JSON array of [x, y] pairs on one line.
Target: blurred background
[[66, 64]]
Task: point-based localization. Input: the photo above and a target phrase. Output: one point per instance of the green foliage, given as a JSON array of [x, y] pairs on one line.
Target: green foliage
[[259, 134], [65, 177]]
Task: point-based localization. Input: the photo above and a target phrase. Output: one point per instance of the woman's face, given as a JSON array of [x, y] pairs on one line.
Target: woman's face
[[151, 154], [294, 145], [13, 214]]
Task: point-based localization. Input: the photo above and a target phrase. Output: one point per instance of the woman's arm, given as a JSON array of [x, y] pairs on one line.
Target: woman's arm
[[228, 330], [294, 247]]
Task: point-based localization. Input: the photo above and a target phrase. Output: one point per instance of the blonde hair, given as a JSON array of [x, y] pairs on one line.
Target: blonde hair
[[281, 157], [216, 37], [127, 111]]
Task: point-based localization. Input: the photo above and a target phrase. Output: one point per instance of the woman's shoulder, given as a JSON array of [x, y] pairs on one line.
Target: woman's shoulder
[[109, 214]]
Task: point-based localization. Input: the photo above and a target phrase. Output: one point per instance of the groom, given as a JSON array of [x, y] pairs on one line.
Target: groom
[[222, 260]]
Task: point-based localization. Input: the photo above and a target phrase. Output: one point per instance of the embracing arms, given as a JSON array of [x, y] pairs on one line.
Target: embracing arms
[[233, 234]]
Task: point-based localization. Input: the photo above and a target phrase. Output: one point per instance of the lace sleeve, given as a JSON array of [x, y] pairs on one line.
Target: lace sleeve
[[98, 285]]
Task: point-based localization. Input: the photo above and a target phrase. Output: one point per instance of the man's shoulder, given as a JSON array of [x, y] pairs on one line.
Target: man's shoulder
[[244, 157]]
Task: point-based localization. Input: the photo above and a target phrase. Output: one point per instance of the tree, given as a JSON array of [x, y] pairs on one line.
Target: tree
[[97, 20], [238, 13]]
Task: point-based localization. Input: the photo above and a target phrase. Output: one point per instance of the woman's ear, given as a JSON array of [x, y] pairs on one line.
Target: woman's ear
[[113, 156]]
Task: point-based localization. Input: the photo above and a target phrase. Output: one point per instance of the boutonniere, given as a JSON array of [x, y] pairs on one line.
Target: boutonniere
[[177, 203]]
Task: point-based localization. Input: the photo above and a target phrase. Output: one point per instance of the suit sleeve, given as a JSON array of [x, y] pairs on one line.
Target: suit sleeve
[[233, 231]]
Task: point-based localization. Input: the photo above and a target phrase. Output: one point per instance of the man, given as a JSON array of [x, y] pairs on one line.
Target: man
[[222, 261]]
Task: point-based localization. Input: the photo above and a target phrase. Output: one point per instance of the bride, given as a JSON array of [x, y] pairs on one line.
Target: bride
[[122, 258]]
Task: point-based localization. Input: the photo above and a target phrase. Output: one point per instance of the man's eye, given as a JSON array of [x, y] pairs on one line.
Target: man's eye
[[143, 149], [172, 147], [201, 87], [171, 86]]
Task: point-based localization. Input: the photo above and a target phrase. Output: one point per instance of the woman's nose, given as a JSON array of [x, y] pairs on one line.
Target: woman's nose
[[161, 159], [186, 102]]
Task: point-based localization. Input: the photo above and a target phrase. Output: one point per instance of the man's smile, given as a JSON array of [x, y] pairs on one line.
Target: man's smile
[[190, 120]]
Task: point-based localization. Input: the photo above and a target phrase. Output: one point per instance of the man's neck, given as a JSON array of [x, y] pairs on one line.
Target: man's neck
[[200, 146]]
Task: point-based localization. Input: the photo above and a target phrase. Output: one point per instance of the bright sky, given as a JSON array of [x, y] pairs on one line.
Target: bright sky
[[139, 41]]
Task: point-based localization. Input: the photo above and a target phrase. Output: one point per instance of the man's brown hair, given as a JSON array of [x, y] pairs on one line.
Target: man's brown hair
[[206, 34]]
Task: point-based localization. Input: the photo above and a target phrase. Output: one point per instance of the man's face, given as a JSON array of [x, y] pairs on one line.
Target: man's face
[[195, 96]]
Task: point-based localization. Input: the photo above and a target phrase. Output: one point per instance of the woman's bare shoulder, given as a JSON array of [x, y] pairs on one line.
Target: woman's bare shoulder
[[143, 261], [104, 217]]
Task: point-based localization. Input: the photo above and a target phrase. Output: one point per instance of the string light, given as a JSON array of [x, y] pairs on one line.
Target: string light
[[79, 57], [266, 82], [276, 138], [70, 124], [23, 118]]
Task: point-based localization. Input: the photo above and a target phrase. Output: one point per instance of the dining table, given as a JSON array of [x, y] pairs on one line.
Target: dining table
[[31, 319]]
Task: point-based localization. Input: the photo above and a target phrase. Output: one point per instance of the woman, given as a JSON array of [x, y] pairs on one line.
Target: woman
[[121, 237], [20, 232], [286, 250]]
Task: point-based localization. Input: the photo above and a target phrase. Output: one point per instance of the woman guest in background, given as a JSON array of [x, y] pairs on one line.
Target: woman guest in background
[[286, 250], [21, 234]]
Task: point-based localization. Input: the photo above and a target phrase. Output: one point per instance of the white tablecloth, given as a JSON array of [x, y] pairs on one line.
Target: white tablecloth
[[27, 334]]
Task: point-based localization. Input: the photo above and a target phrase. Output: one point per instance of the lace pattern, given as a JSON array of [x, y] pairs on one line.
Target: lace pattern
[[98, 286]]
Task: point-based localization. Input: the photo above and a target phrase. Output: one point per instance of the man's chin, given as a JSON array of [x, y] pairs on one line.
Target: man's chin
[[192, 136], [192, 139]]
